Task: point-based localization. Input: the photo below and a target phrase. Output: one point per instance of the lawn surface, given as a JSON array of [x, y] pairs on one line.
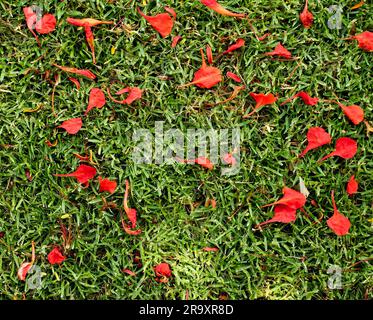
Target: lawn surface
[[279, 262]]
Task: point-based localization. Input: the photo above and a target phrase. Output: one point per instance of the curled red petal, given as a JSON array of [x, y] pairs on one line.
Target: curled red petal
[[175, 41], [214, 5], [81, 72], [239, 43], [234, 77], [306, 17], [209, 55], [352, 186], [163, 270], [75, 81]]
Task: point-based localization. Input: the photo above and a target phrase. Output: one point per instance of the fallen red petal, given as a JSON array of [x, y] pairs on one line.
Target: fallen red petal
[[365, 40], [76, 82], [354, 113], [72, 126], [233, 76], [83, 174], [283, 214], [338, 222], [107, 185], [261, 100], [206, 77], [316, 137], [214, 5], [345, 148], [280, 51], [292, 199], [46, 24], [163, 270], [210, 249], [239, 43], [306, 17], [56, 257], [85, 73], [352, 186], [162, 22], [175, 41], [96, 99]]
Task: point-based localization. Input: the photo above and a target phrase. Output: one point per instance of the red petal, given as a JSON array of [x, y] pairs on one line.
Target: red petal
[[338, 222], [129, 272], [107, 185], [204, 162], [83, 174], [131, 232], [23, 270], [162, 23], [135, 93], [306, 17], [280, 51], [75, 81], [87, 22], [209, 55], [292, 199], [264, 36], [365, 40], [31, 17], [307, 99], [233, 76], [283, 214], [96, 100], [352, 186], [345, 148], [131, 213], [91, 42], [72, 126], [316, 137], [46, 24], [354, 113], [209, 249], [163, 270], [206, 77], [261, 100], [214, 5], [56, 257], [239, 43], [175, 41], [85, 73], [229, 159]]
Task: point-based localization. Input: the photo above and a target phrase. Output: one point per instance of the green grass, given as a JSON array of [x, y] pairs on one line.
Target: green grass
[[279, 262]]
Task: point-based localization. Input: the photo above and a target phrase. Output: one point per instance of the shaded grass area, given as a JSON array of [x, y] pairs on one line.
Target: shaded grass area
[[280, 262]]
